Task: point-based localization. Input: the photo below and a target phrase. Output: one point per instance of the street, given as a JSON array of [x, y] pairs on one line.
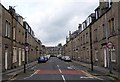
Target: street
[[57, 70]]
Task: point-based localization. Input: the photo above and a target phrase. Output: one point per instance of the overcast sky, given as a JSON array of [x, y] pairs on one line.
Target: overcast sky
[[51, 20]]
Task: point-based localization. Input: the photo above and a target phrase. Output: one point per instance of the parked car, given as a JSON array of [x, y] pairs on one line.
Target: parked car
[[63, 58], [47, 57], [42, 59], [67, 58], [59, 56]]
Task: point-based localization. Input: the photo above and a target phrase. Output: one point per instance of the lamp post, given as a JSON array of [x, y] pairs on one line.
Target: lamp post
[[91, 56], [110, 46], [26, 50]]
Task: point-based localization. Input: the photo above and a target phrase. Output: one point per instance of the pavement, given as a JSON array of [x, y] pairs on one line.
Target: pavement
[[9, 74], [100, 71]]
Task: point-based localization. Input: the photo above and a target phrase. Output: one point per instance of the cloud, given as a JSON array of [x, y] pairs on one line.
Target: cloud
[[52, 19]]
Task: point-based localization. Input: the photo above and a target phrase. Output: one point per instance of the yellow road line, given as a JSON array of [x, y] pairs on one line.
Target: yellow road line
[[13, 79], [89, 75], [36, 72]]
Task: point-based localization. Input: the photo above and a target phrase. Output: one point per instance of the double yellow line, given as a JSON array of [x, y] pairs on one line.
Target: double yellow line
[[90, 75]]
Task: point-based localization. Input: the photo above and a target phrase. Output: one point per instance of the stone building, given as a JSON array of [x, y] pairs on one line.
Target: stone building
[[104, 30], [98, 37], [34, 45], [53, 51], [13, 40], [0, 37]]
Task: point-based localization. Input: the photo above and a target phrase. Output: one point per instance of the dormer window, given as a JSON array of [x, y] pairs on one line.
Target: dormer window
[[88, 21], [96, 14], [110, 3], [82, 26], [27, 27]]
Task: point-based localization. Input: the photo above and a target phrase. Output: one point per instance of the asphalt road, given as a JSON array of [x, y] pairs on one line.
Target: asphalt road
[[57, 70]]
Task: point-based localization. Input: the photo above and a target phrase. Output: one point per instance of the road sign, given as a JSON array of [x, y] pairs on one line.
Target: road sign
[[26, 48], [109, 45]]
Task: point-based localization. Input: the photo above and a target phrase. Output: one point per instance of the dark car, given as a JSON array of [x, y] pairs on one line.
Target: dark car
[[42, 59]]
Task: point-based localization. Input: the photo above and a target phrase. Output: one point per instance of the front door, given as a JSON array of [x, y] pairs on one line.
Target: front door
[[19, 56], [6, 59], [105, 57]]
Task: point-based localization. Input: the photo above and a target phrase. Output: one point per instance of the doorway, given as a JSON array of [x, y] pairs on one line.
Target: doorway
[[20, 56], [105, 57], [6, 59]]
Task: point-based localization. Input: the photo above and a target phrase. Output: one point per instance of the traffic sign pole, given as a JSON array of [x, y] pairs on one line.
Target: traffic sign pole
[[110, 46]]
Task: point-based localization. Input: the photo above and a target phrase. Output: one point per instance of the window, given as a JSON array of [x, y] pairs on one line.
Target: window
[[85, 24], [23, 55], [95, 35], [113, 24], [7, 29], [90, 19], [110, 27], [107, 3], [97, 14], [14, 33], [104, 31], [6, 58], [27, 27], [113, 55], [82, 26], [96, 55], [14, 54], [86, 37], [83, 39], [110, 3]]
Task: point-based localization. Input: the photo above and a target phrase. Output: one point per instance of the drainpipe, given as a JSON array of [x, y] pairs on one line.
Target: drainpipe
[[91, 56], [25, 45], [72, 48], [12, 41]]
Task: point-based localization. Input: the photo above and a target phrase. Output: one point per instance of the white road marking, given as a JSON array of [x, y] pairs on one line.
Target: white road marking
[[63, 78], [60, 70], [69, 67], [26, 77], [33, 67], [75, 68], [32, 75], [58, 66], [29, 76], [85, 77], [12, 79]]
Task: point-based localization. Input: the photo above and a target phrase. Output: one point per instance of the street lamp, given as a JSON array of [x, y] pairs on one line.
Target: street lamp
[[110, 46], [91, 53], [26, 50]]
